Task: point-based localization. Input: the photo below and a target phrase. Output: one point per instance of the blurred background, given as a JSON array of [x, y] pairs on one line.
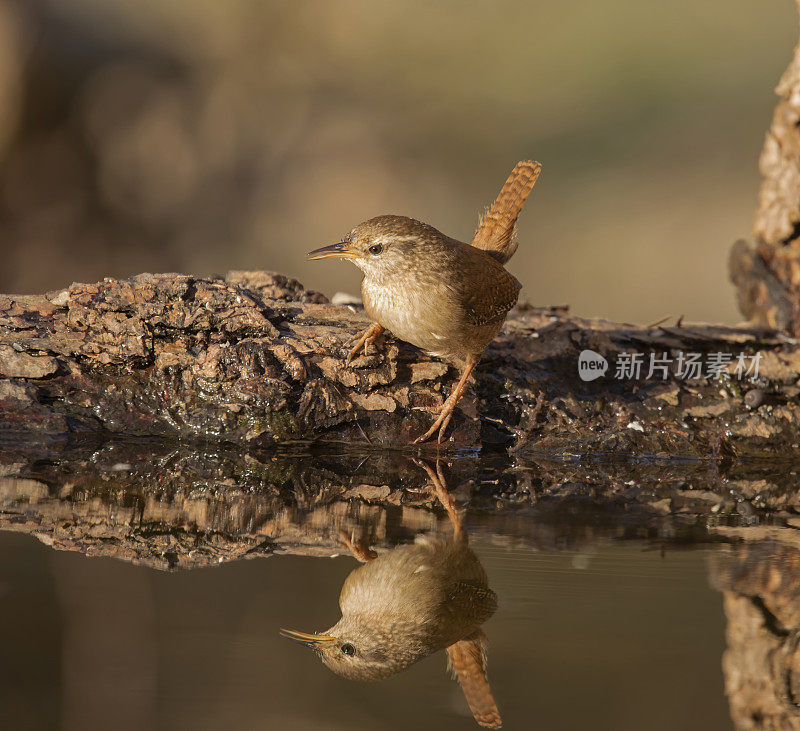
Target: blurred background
[[201, 136]]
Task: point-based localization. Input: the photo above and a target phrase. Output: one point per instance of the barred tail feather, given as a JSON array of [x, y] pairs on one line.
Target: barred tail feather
[[495, 233], [466, 659]]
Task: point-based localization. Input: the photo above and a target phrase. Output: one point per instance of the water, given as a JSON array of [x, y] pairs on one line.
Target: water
[[614, 612]]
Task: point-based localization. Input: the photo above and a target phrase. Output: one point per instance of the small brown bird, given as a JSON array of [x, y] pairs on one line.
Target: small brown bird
[[410, 602], [444, 296]]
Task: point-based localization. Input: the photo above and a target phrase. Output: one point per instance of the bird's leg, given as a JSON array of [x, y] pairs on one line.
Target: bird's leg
[[449, 406], [440, 490], [357, 546], [467, 657], [365, 338]]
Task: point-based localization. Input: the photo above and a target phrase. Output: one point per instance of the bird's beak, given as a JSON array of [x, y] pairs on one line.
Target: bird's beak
[[306, 639], [339, 250]]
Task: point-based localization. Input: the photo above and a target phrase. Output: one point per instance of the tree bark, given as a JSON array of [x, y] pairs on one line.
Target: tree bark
[[767, 276], [256, 358]]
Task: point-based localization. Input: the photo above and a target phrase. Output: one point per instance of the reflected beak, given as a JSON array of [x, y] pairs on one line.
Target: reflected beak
[[306, 639], [339, 250]]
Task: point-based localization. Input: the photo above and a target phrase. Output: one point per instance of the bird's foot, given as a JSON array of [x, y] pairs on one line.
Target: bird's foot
[[441, 422], [364, 339], [440, 491], [449, 406], [357, 546]]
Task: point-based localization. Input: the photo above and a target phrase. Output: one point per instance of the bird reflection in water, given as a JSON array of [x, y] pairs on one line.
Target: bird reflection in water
[[410, 602]]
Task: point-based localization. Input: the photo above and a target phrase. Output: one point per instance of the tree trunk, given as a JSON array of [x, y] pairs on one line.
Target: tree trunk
[[767, 277]]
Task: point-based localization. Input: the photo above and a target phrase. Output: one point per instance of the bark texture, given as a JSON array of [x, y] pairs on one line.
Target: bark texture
[[761, 665], [256, 358], [767, 276]]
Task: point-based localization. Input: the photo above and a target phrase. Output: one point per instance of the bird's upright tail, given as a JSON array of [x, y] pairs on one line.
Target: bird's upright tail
[[467, 660], [495, 233]]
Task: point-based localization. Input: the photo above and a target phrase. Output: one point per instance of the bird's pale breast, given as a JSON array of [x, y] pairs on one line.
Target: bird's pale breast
[[446, 315]]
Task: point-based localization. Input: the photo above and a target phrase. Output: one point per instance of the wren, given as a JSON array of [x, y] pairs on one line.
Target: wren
[[444, 296], [409, 603]]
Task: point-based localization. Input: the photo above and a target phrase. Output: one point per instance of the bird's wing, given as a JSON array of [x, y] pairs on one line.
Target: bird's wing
[[495, 233], [488, 299], [466, 659], [471, 600]]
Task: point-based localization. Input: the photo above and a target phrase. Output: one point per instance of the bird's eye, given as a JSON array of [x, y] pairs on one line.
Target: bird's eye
[[348, 649], [375, 249]]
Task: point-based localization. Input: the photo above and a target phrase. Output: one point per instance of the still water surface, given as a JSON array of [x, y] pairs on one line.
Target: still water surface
[[617, 637], [604, 596]]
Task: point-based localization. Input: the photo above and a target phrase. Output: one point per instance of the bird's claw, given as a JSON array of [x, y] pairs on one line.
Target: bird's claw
[[357, 546], [439, 425], [351, 355], [448, 407], [365, 338], [440, 490]]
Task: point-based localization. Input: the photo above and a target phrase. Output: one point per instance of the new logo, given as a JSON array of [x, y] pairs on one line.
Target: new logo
[[591, 365]]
